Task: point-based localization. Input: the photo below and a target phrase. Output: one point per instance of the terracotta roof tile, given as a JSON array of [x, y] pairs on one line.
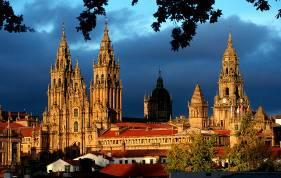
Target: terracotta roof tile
[[138, 133], [222, 132], [135, 170], [142, 125], [26, 131]]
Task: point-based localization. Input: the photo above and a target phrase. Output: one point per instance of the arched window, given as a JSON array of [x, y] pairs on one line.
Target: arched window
[[75, 126], [226, 70], [102, 77], [75, 112], [226, 91], [97, 77], [236, 92], [59, 82]]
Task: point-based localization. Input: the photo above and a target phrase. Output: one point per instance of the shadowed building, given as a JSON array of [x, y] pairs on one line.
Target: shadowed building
[[158, 106]]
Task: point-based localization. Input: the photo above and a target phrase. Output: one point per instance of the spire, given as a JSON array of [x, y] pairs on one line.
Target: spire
[[260, 111], [230, 53], [198, 96], [63, 41], [159, 80], [105, 43], [106, 55], [229, 41], [63, 60], [77, 69]]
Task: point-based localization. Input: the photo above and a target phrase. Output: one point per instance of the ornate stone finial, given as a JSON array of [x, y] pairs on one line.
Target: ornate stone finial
[[159, 73], [106, 23], [229, 42], [159, 80], [63, 30]]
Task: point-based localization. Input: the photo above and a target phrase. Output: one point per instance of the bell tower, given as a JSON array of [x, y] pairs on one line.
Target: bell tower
[[230, 102], [106, 86]]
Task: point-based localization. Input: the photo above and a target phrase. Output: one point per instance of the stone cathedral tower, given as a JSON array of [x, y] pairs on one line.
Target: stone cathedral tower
[[198, 109], [67, 114], [231, 102], [106, 86]]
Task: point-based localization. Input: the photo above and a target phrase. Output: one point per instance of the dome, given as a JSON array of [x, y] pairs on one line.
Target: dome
[[159, 103], [160, 93]]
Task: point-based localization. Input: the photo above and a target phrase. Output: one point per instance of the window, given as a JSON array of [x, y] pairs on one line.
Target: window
[[120, 162], [151, 161], [102, 78], [221, 123], [226, 91], [75, 126], [226, 70], [143, 161], [237, 92], [126, 161], [133, 161], [97, 77], [75, 112], [67, 168]]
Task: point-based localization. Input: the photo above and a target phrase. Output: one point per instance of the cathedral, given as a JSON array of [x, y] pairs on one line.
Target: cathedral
[[93, 122], [72, 117], [83, 121]]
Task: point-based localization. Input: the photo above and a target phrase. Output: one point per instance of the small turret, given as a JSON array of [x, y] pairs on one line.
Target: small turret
[[198, 109]]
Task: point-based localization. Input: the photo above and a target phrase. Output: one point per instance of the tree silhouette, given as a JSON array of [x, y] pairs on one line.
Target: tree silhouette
[[9, 21], [186, 14]]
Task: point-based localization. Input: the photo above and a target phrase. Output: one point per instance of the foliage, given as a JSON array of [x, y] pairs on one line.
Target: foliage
[[9, 21], [250, 151], [191, 157], [186, 15]]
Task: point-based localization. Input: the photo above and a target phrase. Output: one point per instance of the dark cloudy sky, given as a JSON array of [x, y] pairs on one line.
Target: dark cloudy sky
[[26, 58]]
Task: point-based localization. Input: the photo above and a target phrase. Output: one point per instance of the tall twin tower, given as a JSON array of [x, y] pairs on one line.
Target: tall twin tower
[[71, 117]]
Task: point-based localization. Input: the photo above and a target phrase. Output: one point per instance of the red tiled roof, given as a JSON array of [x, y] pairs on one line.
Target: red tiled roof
[[135, 170], [137, 153], [138, 133], [222, 132], [13, 125], [220, 151], [26, 131], [142, 125]]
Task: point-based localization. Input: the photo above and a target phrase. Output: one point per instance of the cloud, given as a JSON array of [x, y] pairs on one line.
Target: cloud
[[26, 59]]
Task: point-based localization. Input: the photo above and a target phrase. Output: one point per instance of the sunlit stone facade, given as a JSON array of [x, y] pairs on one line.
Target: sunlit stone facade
[[93, 123]]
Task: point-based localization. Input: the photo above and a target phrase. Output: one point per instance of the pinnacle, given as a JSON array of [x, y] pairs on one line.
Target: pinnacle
[[197, 96], [260, 110], [229, 41]]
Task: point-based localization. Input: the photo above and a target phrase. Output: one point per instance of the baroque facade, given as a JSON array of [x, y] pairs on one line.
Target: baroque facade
[[71, 119]]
